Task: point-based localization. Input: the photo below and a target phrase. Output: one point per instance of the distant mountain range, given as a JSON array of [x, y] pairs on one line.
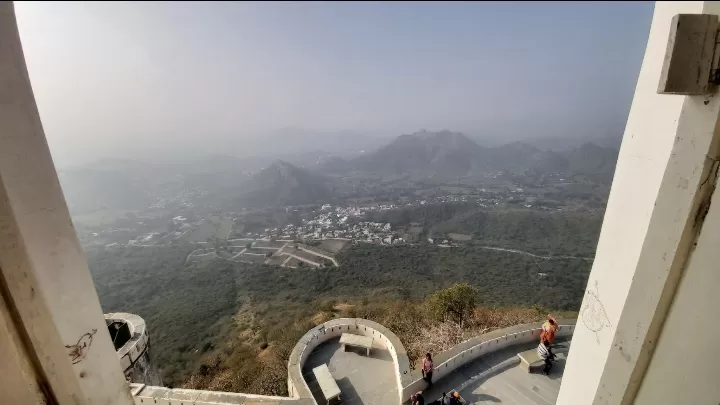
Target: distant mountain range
[[448, 154], [258, 182]]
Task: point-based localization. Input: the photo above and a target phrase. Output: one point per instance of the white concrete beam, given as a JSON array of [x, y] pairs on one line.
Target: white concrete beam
[[663, 182], [43, 268]]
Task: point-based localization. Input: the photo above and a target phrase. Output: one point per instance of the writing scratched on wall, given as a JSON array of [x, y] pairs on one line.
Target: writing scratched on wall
[[79, 350], [593, 313]]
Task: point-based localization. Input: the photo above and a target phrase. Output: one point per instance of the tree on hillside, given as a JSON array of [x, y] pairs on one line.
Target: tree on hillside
[[248, 245], [455, 302]]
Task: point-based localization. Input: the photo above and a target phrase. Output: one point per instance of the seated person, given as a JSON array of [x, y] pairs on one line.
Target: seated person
[[417, 399], [453, 399]]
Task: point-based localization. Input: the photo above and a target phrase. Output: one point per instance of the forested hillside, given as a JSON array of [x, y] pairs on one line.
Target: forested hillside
[[227, 325], [183, 306], [544, 233]]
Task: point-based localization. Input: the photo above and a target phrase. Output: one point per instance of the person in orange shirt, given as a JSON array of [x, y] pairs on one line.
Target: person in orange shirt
[[548, 330]]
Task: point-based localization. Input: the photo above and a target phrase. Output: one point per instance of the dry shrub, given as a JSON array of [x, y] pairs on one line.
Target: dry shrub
[[243, 368], [434, 339]]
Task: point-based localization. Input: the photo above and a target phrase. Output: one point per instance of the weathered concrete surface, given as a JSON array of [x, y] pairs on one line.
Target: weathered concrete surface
[[135, 353], [662, 190], [362, 379], [496, 378], [45, 277], [298, 387]]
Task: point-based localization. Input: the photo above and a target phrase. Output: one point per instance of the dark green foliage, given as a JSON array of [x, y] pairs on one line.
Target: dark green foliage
[[184, 307], [413, 272], [543, 233], [456, 302]]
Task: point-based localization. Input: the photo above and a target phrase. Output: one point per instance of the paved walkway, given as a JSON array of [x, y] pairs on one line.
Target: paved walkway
[[496, 378], [362, 380]]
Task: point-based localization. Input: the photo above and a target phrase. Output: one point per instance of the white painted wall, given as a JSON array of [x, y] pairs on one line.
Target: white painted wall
[[19, 382], [45, 278], [647, 232], [684, 367]]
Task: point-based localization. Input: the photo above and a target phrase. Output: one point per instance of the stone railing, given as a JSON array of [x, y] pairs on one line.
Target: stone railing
[[471, 349], [147, 395], [134, 353], [297, 387], [407, 381]]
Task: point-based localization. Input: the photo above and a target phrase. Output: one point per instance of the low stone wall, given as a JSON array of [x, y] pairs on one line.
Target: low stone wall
[[147, 395], [471, 349], [297, 387], [135, 353], [407, 381]]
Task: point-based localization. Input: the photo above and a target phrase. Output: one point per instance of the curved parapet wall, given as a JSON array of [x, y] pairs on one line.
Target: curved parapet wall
[[471, 349], [298, 388], [407, 381], [132, 343]]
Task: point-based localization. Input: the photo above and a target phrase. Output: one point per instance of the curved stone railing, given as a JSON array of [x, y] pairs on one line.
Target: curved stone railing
[[407, 381], [297, 387], [471, 349], [134, 356]]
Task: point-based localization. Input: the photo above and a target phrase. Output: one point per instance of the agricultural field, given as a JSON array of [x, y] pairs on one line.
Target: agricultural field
[[277, 260], [215, 227], [303, 254], [250, 258], [268, 244]]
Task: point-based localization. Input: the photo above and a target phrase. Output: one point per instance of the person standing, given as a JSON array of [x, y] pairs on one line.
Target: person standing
[[427, 369], [548, 330], [545, 353]]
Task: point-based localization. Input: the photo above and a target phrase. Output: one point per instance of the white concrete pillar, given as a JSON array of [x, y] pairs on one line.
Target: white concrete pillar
[[46, 286], [662, 188]]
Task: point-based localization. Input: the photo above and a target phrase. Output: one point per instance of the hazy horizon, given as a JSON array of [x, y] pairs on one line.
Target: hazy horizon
[[137, 79]]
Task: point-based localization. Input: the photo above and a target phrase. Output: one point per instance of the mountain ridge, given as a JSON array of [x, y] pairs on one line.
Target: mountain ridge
[[447, 154]]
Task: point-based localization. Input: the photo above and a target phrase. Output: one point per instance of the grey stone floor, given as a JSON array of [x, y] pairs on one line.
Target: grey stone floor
[[492, 379], [362, 380], [496, 379]]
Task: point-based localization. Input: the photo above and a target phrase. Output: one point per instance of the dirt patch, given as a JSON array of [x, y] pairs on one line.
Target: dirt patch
[[267, 355], [343, 307], [321, 317], [459, 237], [332, 245]]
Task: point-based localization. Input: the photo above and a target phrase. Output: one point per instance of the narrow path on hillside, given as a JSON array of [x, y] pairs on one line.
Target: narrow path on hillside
[[522, 252]]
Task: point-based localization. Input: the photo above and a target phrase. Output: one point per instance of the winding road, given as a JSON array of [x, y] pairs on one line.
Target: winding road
[[522, 252]]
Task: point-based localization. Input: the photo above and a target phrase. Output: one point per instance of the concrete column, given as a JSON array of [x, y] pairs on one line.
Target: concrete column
[[59, 331], [663, 186]]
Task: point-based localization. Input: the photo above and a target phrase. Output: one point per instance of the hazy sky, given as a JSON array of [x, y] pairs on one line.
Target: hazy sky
[[122, 78]]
